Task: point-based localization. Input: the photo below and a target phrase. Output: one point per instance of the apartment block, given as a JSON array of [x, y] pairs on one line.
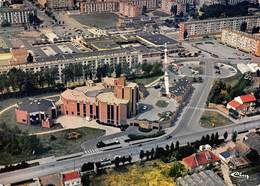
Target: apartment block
[[129, 10], [16, 16], [98, 6], [194, 29], [242, 41], [57, 4]]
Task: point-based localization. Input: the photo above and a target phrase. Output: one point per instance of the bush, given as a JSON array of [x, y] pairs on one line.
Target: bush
[[144, 129], [134, 137]]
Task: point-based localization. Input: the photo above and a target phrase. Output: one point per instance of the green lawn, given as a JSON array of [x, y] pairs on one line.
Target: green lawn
[[162, 104], [63, 146], [145, 81], [58, 145], [209, 118], [232, 80], [100, 20]]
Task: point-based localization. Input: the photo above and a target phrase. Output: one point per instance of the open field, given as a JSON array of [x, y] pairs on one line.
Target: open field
[[145, 81], [54, 144], [150, 173], [209, 118], [103, 20], [62, 146]]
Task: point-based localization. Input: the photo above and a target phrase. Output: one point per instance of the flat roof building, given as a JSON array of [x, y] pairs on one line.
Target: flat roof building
[[201, 28], [243, 41]]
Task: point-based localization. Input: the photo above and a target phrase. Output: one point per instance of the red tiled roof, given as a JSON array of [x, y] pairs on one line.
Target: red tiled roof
[[234, 104], [71, 176], [242, 107], [247, 98], [200, 158]]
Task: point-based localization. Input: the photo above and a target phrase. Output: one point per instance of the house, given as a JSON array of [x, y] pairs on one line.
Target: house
[[200, 160], [242, 104], [71, 178]]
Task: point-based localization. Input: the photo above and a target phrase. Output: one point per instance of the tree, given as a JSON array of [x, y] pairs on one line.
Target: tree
[[177, 145], [5, 23], [152, 153], [243, 26], [117, 161], [212, 138], [177, 170], [129, 159], [225, 135], [141, 155], [29, 58], [123, 159], [147, 154], [216, 137], [144, 10], [87, 167], [173, 10], [85, 180], [234, 136], [118, 70], [172, 147]]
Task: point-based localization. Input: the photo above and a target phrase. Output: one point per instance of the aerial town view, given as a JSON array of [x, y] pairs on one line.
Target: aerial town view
[[129, 93]]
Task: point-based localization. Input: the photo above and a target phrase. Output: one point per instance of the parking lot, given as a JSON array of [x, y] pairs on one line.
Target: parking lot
[[220, 50], [148, 108]]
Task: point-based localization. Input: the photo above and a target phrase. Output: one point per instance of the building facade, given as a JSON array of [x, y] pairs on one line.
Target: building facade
[[57, 4], [16, 16], [194, 29], [99, 6], [111, 102], [241, 40], [129, 10]]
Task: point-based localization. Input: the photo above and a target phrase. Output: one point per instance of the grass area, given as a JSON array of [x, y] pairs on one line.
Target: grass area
[[162, 104], [144, 174], [233, 80], [145, 80], [57, 145], [63, 146], [134, 137], [210, 118], [101, 20]]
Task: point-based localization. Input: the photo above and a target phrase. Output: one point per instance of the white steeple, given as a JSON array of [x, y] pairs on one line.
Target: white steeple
[[166, 75]]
